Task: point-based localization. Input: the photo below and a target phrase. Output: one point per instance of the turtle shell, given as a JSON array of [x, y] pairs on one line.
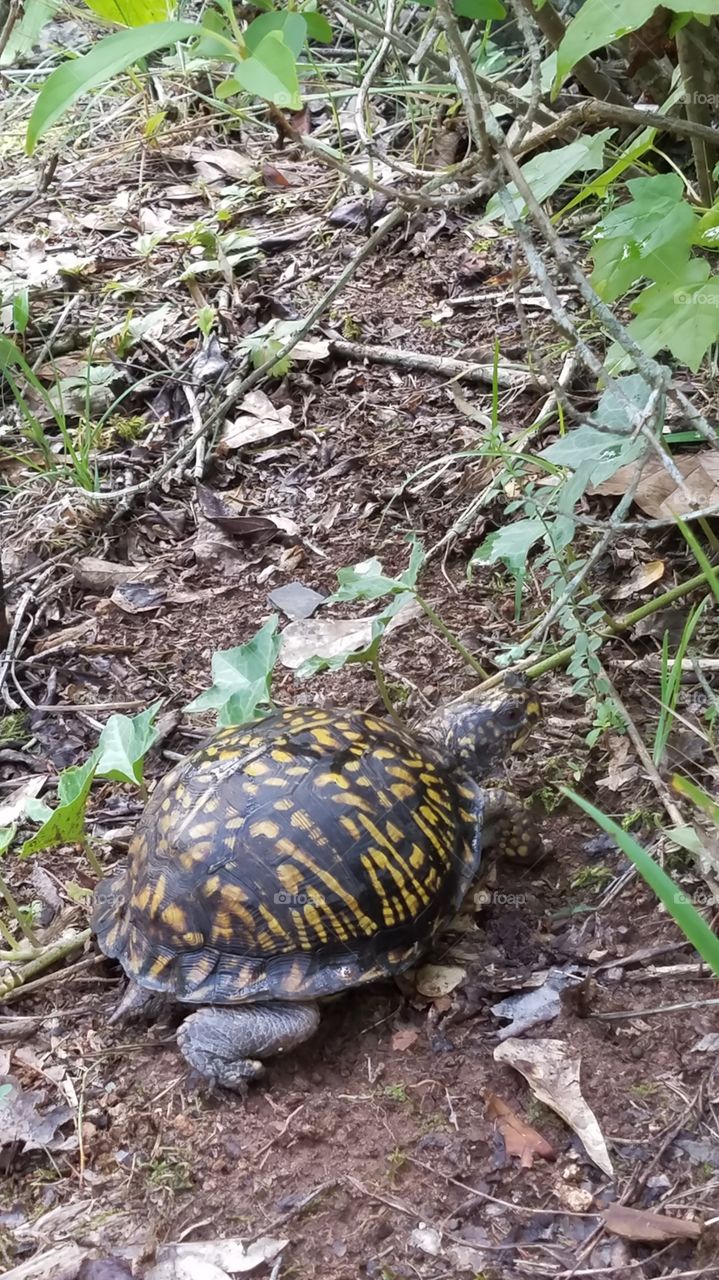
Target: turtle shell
[[303, 854]]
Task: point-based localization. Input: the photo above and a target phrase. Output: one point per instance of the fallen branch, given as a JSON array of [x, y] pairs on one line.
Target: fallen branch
[[514, 378]]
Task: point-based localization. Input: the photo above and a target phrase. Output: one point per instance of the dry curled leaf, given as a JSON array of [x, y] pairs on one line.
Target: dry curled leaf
[[434, 980], [645, 575], [257, 420], [641, 1224], [553, 1076], [658, 495], [520, 1139], [404, 1039]]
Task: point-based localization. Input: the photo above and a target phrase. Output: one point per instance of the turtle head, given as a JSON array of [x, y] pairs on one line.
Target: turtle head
[[478, 734]]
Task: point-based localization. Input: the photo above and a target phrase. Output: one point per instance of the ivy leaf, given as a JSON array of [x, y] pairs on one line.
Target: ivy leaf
[[605, 451], [124, 743], [7, 835], [318, 28], [66, 824], [368, 581], [511, 545], [651, 236], [242, 678]]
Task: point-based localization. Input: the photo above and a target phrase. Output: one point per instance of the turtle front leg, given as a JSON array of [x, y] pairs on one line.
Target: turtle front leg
[[224, 1044], [508, 830]]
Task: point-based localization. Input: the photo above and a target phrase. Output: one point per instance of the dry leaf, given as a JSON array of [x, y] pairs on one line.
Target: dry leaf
[[273, 178], [657, 493], [312, 638], [102, 576], [520, 1139], [138, 597], [553, 1076], [258, 420], [213, 1259], [434, 980], [641, 1224], [642, 577], [225, 161], [20, 1120], [404, 1039]]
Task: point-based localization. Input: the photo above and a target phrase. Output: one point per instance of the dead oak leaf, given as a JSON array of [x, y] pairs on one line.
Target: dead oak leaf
[[520, 1139], [658, 495], [641, 1224]]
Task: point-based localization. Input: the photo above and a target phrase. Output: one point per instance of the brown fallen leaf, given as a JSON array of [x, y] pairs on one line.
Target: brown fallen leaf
[[641, 1224], [102, 576], [404, 1039], [257, 420], [658, 495], [273, 178], [520, 1139], [645, 575]]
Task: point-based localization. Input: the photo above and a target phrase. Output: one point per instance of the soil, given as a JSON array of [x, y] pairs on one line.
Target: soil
[[371, 1150]]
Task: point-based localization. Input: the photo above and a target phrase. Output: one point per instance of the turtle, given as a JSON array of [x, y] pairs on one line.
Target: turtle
[[299, 856]]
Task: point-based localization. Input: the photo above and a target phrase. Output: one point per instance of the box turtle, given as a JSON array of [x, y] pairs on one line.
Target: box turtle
[[301, 855]]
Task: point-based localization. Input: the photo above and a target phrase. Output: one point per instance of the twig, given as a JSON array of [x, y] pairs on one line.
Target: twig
[[449, 366], [47, 173], [373, 66]]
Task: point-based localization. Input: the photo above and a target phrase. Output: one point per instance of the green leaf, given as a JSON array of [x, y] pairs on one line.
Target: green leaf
[[479, 10], [598, 22], [131, 13], [33, 16], [683, 319], [546, 172], [271, 73], [318, 28], [66, 824], [107, 59], [242, 678], [21, 311], [291, 26], [511, 545], [6, 838], [124, 743], [651, 235], [606, 452], [368, 581], [692, 925]]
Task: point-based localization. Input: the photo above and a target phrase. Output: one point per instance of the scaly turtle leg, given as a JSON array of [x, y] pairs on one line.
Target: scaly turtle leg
[[508, 830], [224, 1043]]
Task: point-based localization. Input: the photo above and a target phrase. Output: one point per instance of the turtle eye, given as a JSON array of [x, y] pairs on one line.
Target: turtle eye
[[513, 715]]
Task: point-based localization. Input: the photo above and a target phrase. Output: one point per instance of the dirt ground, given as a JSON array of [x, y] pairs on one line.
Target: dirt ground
[[372, 1150]]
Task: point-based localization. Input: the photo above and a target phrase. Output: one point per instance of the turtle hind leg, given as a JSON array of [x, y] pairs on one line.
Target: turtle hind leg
[[226, 1044], [508, 829]]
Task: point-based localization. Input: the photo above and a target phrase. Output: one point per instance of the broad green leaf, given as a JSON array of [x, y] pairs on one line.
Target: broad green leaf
[[291, 26], [612, 411], [34, 15], [107, 59], [691, 923], [598, 22], [318, 28], [242, 678], [6, 838], [683, 319], [132, 13], [587, 444], [510, 545], [124, 743], [271, 73], [547, 172], [651, 235], [66, 824]]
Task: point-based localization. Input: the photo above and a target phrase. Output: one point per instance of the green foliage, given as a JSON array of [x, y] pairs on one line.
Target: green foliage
[[600, 22], [691, 923], [242, 678], [123, 745], [650, 237], [547, 172], [66, 823], [263, 60]]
